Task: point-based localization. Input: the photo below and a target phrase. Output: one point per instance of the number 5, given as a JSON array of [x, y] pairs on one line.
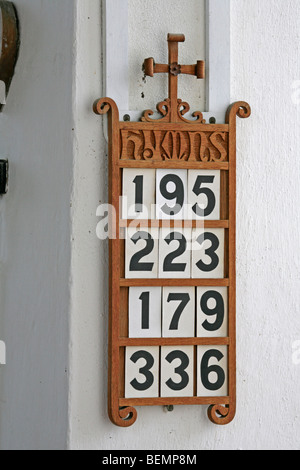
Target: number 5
[[204, 194]]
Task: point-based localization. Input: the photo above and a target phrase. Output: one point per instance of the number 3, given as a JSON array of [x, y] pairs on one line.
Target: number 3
[[177, 366], [141, 372], [208, 254]]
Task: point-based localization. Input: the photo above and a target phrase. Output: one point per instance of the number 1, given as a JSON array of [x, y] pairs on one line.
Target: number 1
[[145, 298], [139, 187]]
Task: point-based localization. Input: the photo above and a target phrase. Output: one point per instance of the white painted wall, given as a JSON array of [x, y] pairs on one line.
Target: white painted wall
[[53, 281], [265, 64]]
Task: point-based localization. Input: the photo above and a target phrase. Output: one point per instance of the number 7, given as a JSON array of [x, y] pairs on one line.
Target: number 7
[[184, 299]]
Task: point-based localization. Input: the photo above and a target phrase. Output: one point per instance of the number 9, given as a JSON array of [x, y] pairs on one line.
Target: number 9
[[171, 194], [218, 310], [177, 194]]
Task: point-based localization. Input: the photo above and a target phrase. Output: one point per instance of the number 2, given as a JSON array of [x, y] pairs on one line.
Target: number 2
[[174, 253], [169, 265], [135, 263], [141, 253]]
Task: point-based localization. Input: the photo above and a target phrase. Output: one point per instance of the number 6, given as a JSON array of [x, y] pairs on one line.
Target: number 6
[[212, 367]]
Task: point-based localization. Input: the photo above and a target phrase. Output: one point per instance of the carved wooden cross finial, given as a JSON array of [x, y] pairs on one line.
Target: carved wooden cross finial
[[174, 69]]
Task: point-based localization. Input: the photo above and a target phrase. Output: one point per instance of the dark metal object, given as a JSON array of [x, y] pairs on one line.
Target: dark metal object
[[170, 408], [3, 176], [10, 43]]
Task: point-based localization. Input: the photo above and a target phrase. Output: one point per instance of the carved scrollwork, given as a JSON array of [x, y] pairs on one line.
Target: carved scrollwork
[[106, 105], [244, 111], [128, 415], [240, 109], [109, 107], [124, 416], [221, 415], [184, 108], [163, 109]]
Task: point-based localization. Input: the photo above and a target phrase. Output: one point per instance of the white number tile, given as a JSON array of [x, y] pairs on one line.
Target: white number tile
[[177, 371], [204, 194], [145, 312], [141, 253], [208, 253], [178, 312], [212, 371], [142, 372], [171, 194], [175, 253], [212, 312], [138, 195]]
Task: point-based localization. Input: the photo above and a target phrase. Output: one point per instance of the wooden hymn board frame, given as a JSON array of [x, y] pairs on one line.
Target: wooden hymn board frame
[[152, 371]]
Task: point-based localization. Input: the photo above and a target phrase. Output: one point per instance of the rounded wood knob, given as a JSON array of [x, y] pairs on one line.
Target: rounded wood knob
[[200, 69], [176, 37], [148, 67]]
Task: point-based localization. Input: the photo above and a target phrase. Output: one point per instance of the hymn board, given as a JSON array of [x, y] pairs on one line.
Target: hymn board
[[172, 279]]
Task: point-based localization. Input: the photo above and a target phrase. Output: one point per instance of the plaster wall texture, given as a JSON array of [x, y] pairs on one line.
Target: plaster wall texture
[[265, 64], [149, 22], [53, 278]]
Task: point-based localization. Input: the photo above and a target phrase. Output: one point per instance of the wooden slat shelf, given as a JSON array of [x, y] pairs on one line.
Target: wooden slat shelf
[[174, 401], [143, 342], [182, 164], [171, 282], [127, 125], [174, 223]]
